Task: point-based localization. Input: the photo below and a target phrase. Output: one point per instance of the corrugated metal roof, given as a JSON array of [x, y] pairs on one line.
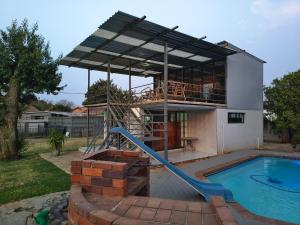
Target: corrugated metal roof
[[125, 40]]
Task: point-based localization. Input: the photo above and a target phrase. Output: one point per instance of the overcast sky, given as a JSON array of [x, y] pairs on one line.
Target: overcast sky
[[268, 29]]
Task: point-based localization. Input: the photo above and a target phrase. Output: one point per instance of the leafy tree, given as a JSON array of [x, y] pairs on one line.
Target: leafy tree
[[42, 105], [283, 104], [63, 106], [26, 68], [98, 94]]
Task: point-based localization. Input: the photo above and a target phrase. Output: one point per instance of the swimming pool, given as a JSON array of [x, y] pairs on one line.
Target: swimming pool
[[266, 186]]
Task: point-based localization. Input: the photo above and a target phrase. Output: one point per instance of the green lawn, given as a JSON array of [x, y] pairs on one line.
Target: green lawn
[[32, 175]]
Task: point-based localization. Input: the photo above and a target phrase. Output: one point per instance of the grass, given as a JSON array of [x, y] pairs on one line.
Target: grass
[[33, 176]]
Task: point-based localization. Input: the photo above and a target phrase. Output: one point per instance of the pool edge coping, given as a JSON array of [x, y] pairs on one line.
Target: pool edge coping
[[245, 213]]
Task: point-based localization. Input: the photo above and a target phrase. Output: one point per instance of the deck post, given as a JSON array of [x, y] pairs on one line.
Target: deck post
[[130, 96], [165, 88], [108, 100], [88, 110], [129, 85]]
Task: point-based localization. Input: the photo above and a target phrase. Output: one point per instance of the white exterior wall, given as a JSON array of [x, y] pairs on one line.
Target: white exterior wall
[[237, 136], [203, 125]]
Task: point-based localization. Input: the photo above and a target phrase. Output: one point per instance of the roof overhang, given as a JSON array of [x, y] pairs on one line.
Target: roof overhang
[[126, 42]]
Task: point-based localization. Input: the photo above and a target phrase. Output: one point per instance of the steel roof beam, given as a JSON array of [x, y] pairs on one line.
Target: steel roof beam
[[123, 30], [173, 49], [167, 30]]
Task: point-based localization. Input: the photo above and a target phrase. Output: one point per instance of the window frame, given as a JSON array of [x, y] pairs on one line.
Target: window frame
[[238, 119]]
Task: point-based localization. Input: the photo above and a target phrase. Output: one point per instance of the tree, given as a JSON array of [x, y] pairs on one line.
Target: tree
[[26, 68], [97, 93], [41, 104], [282, 103], [63, 106]]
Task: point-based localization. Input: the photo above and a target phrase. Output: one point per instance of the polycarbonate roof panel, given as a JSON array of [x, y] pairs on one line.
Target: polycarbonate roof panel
[[125, 40]]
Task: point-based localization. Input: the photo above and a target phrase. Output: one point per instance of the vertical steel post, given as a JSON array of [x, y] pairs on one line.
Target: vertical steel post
[[130, 97], [88, 110], [108, 119], [129, 73], [166, 101]]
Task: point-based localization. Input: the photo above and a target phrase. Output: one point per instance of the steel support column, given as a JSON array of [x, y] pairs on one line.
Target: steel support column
[[108, 117], [129, 86], [88, 111], [166, 101]]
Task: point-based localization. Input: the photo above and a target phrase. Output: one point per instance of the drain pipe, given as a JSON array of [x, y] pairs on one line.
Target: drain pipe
[[223, 139]]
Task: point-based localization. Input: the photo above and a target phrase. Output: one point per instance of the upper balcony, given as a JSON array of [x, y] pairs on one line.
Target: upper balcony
[[180, 92]]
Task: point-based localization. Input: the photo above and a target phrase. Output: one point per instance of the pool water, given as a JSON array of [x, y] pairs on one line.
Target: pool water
[[266, 186]]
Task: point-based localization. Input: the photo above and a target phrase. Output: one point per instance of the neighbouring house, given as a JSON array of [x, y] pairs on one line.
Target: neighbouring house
[[35, 123], [202, 94]]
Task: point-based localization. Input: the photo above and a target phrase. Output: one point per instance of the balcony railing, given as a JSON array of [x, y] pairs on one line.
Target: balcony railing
[[182, 92]]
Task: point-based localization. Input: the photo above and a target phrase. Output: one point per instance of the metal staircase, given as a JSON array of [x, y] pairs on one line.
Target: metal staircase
[[139, 122]]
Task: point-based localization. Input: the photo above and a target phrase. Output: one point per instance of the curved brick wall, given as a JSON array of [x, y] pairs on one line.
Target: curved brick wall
[[111, 187]]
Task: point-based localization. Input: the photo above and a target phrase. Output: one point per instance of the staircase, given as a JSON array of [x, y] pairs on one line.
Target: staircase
[[139, 122]]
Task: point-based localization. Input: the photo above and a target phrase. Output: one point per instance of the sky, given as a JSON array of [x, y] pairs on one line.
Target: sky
[[267, 29]]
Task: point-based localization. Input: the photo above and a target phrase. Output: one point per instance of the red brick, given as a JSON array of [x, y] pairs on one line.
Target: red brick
[[92, 189], [119, 183], [195, 206], [115, 153], [132, 153], [166, 204], [102, 217], [129, 221], [180, 206], [118, 166], [85, 180], [178, 217], [105, 165], [92, 172], [134, 212], [147, 214], [207, 208], [141, 201], [76, 163], [76, 169], [209, 219], [84, 221], [122, 209], [72, 215], [217, 201], [153, 202], [110, 191], [75, 178], [163, 215], [84, 208], [224, 214], [87, 163], [194, 218], [99, 181], [113, 174]]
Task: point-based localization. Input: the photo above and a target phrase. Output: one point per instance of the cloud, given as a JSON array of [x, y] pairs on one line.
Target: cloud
[[274, 14]]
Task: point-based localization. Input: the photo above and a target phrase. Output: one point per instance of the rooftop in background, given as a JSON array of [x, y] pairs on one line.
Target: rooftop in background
[[125, 40]]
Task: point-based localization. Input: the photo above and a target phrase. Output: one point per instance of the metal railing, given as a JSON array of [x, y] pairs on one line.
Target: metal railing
[[182, 91]]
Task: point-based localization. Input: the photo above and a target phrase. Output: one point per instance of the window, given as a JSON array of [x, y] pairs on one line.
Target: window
[[37, 117], [236, 117]]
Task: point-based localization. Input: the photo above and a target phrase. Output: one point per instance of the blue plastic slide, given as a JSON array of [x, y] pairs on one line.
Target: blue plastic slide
[[205, 189]]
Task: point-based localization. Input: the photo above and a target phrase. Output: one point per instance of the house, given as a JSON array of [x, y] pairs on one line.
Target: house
[[34, 123], [208, 96]]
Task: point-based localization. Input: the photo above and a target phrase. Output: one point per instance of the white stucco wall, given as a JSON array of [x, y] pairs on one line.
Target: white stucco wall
[[203, 125], [231, 136]]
